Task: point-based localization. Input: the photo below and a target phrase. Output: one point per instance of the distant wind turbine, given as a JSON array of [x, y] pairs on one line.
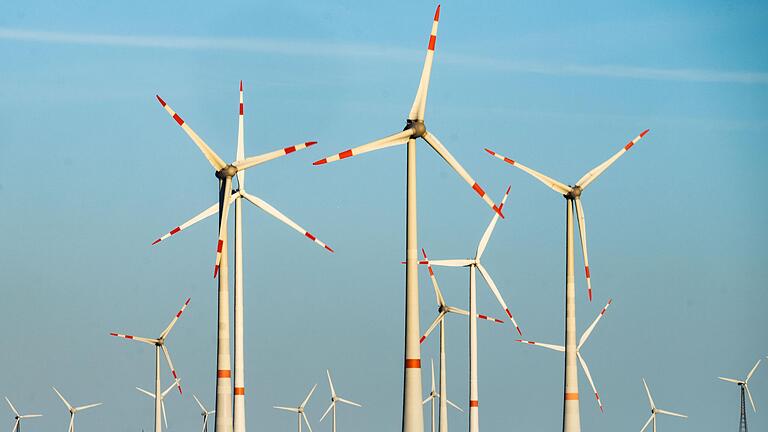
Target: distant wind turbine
[[655, 410], [433, 394], [300, 409], [204, 412], [335, 398], [19, 417], [162, 398], [74, 410]]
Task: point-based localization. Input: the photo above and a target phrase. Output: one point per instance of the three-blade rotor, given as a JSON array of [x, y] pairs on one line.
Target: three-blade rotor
[[745, 383], [655, 410]]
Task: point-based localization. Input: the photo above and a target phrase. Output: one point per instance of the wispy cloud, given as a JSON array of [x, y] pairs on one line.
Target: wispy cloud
[[335, 49]]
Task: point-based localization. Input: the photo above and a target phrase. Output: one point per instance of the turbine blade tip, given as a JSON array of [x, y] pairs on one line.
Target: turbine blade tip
[[518, 330], [241, 85], [156, 242], [642, 134], [329, 249], [509, 188], [187, 302], [320, 162], [437, 13], [159, 99], [310, 143], [422, 339], [215, 271], [497, 209]]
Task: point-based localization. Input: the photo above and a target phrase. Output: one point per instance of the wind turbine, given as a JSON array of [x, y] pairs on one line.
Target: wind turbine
[[162, 398], [475, 264], [73, 410], [237, 198], [204, 412], [582, 340], [335, 398], [655, 410], [443, 310], [300, 409], [433, 394], [159, 344], [413, 417], [572, 195], [19, 417], [743, 385]]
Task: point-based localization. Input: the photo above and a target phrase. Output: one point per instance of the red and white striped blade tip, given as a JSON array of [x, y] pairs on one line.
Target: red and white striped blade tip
[[509, 314], [241, 85], [159, 99]]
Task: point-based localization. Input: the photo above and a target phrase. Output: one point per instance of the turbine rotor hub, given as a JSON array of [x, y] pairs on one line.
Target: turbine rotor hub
[[227, 171], [417, 127], [574, 193]]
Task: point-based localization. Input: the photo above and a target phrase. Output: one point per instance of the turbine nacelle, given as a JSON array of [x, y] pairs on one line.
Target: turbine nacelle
[[574, 193], [227, 171], [417, 128]]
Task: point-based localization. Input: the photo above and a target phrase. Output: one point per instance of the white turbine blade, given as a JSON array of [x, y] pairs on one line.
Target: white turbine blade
[[435, 143], [16, 425], [392, 140], [200, 404], [173, 370], [26, 416], [304, 415], [349, 402], [330, 383], [266, 157], [746, 387], [670, 413], [308, 396], [438, 293], [85, 407], [225, 193], [589, 378], [730, 380], [647, 423], [71, 423], [488, 231], [136, 338], [258, 202], [456, 310], [451, 262], [583, 238], [432, 363], [749, 375], [453, 405], [165, 418], [432, 326], [62, 399], [553, 184], [429, 398], [152, 395], [543, 345], [327, 411], [420, 102], [170, 387], [591, 327], [286, 408], [210, 211], [648, 392], [496, 293], [240, 155], [595, 172], [11, 405], [173, 321], [209, 154]]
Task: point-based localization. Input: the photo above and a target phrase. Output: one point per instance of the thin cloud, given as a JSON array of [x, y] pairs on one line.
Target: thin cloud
[[333, 49]]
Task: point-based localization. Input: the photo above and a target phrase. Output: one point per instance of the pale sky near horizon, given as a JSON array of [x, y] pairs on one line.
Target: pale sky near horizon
[[92, 170]]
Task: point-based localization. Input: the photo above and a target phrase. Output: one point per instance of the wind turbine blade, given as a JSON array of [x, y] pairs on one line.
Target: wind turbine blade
[[420, 102], [450, 262], [729, 380], [16, 425], [749, 375], [593, 174], [152, 395], [648, 392], [490, 318], [165, 418], [456, 310], [173, 321], [488, 231], [11, 405], [85, 407], [62, 399], [432, 326], [389, 141], [438, 294], [496, 292], [209, 154], [583, 238], [240, 155], [589, 378], [327, 411], [210, 211], [224, 195], [543, 345], [453, 405], [330, 383], [553, 184], [661, 411], [746, 387], [308, 396], [200, 404], [286, 408], [591, 327], [429, 398], [432, 363], [435, 143], [71, 423], [258, 202], [26, 416], [173, 370], [349, 402], [304, 415], [170, 387], [647, 423], [266, 157], [136, 338]]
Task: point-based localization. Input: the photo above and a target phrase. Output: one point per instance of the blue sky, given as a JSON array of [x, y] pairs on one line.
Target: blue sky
[[92, 170]]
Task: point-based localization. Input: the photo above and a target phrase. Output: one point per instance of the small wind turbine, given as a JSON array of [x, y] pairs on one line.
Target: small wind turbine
[[162, 398], [159, 344], [335, 398], [204, 412], [300, 409], [73, 410], [655, 410], [743, 386], [433, 394], [19, 417], [583, 339]]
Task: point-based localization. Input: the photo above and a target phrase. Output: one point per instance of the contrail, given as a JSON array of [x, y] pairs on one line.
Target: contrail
[[336, 49]]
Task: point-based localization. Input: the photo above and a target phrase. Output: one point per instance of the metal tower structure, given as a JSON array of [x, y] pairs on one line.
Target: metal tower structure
[[743, 419]]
